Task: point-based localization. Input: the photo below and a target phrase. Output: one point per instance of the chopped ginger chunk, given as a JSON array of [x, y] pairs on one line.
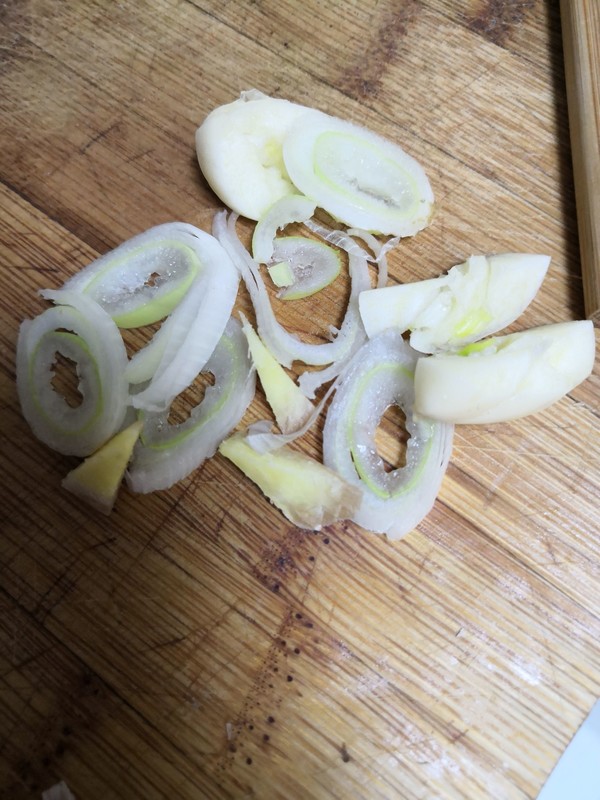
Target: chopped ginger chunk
[[97, 479]]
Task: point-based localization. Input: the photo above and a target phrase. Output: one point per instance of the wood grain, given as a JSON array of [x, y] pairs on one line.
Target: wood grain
[[195, 644]]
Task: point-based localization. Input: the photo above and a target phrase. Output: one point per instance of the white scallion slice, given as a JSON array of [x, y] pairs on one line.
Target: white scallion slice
[[186, 339], [168, 453], [505, 377], [285, 346], [292, 208], [475, 299], [340, 238], [309, 494], [239, 149], [81, 331], [381, 375], [290, 406], [315, 265], [358, 177], [142, 280], [380, 250], [264, 440]]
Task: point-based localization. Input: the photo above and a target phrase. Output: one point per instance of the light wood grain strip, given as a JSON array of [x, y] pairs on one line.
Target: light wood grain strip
[[581, 26]]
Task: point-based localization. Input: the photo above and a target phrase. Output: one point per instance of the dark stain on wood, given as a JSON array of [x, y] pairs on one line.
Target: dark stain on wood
[[363, 79], [495, 20]]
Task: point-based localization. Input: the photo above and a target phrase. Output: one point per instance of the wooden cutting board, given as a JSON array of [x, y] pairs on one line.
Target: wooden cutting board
[[195, 644]]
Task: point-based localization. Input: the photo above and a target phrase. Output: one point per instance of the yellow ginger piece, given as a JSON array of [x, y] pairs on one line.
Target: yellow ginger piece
[[290, 406], [309, 494], [97, 479]]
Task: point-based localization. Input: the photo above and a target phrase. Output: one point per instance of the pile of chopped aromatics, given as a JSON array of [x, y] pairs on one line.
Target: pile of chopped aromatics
[[427, 347]]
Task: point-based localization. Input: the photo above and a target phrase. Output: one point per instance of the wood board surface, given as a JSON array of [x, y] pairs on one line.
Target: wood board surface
[[195, 644]]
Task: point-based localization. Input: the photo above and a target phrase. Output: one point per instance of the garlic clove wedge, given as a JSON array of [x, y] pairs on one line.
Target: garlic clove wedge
[[473, 300], [239, 149], [505, 377]]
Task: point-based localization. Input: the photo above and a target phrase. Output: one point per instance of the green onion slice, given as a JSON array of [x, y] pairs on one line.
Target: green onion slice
[[284, 346], [358, 177], [381, 375], [167, 453], [79, 329], [145, 278]]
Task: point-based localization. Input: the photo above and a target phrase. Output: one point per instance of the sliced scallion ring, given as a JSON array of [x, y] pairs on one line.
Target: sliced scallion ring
[[180, 349], [292, 208], [315, 265], [358, 177], [283, 345], [380, 250], [81, 331], [339, 238], [142, 280], [382, 374], [167, 453]]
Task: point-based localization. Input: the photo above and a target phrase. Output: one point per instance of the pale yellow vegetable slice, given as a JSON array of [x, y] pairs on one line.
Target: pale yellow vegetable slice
[[309, 494], [97, 479], [505, 377], [239, 149], [475, 299], [290, 406], [360, 178], [281, 274]]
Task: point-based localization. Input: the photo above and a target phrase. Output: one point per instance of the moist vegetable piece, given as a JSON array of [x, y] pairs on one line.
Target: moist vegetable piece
[[505, 377], [77, 328], [380, 375], [314, 264], [290, 407], [309, 494], [167, 452], [258, 150], [285, 346], [281, 274], [97, 479], [143, 279], [473, 300], [276, 162], [174, 270], [186, 339], [293, 208], [360, 178], [239, 149]]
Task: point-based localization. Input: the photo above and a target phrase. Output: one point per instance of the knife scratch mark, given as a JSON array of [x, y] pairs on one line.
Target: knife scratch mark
[[517, 453], [99, 136]]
